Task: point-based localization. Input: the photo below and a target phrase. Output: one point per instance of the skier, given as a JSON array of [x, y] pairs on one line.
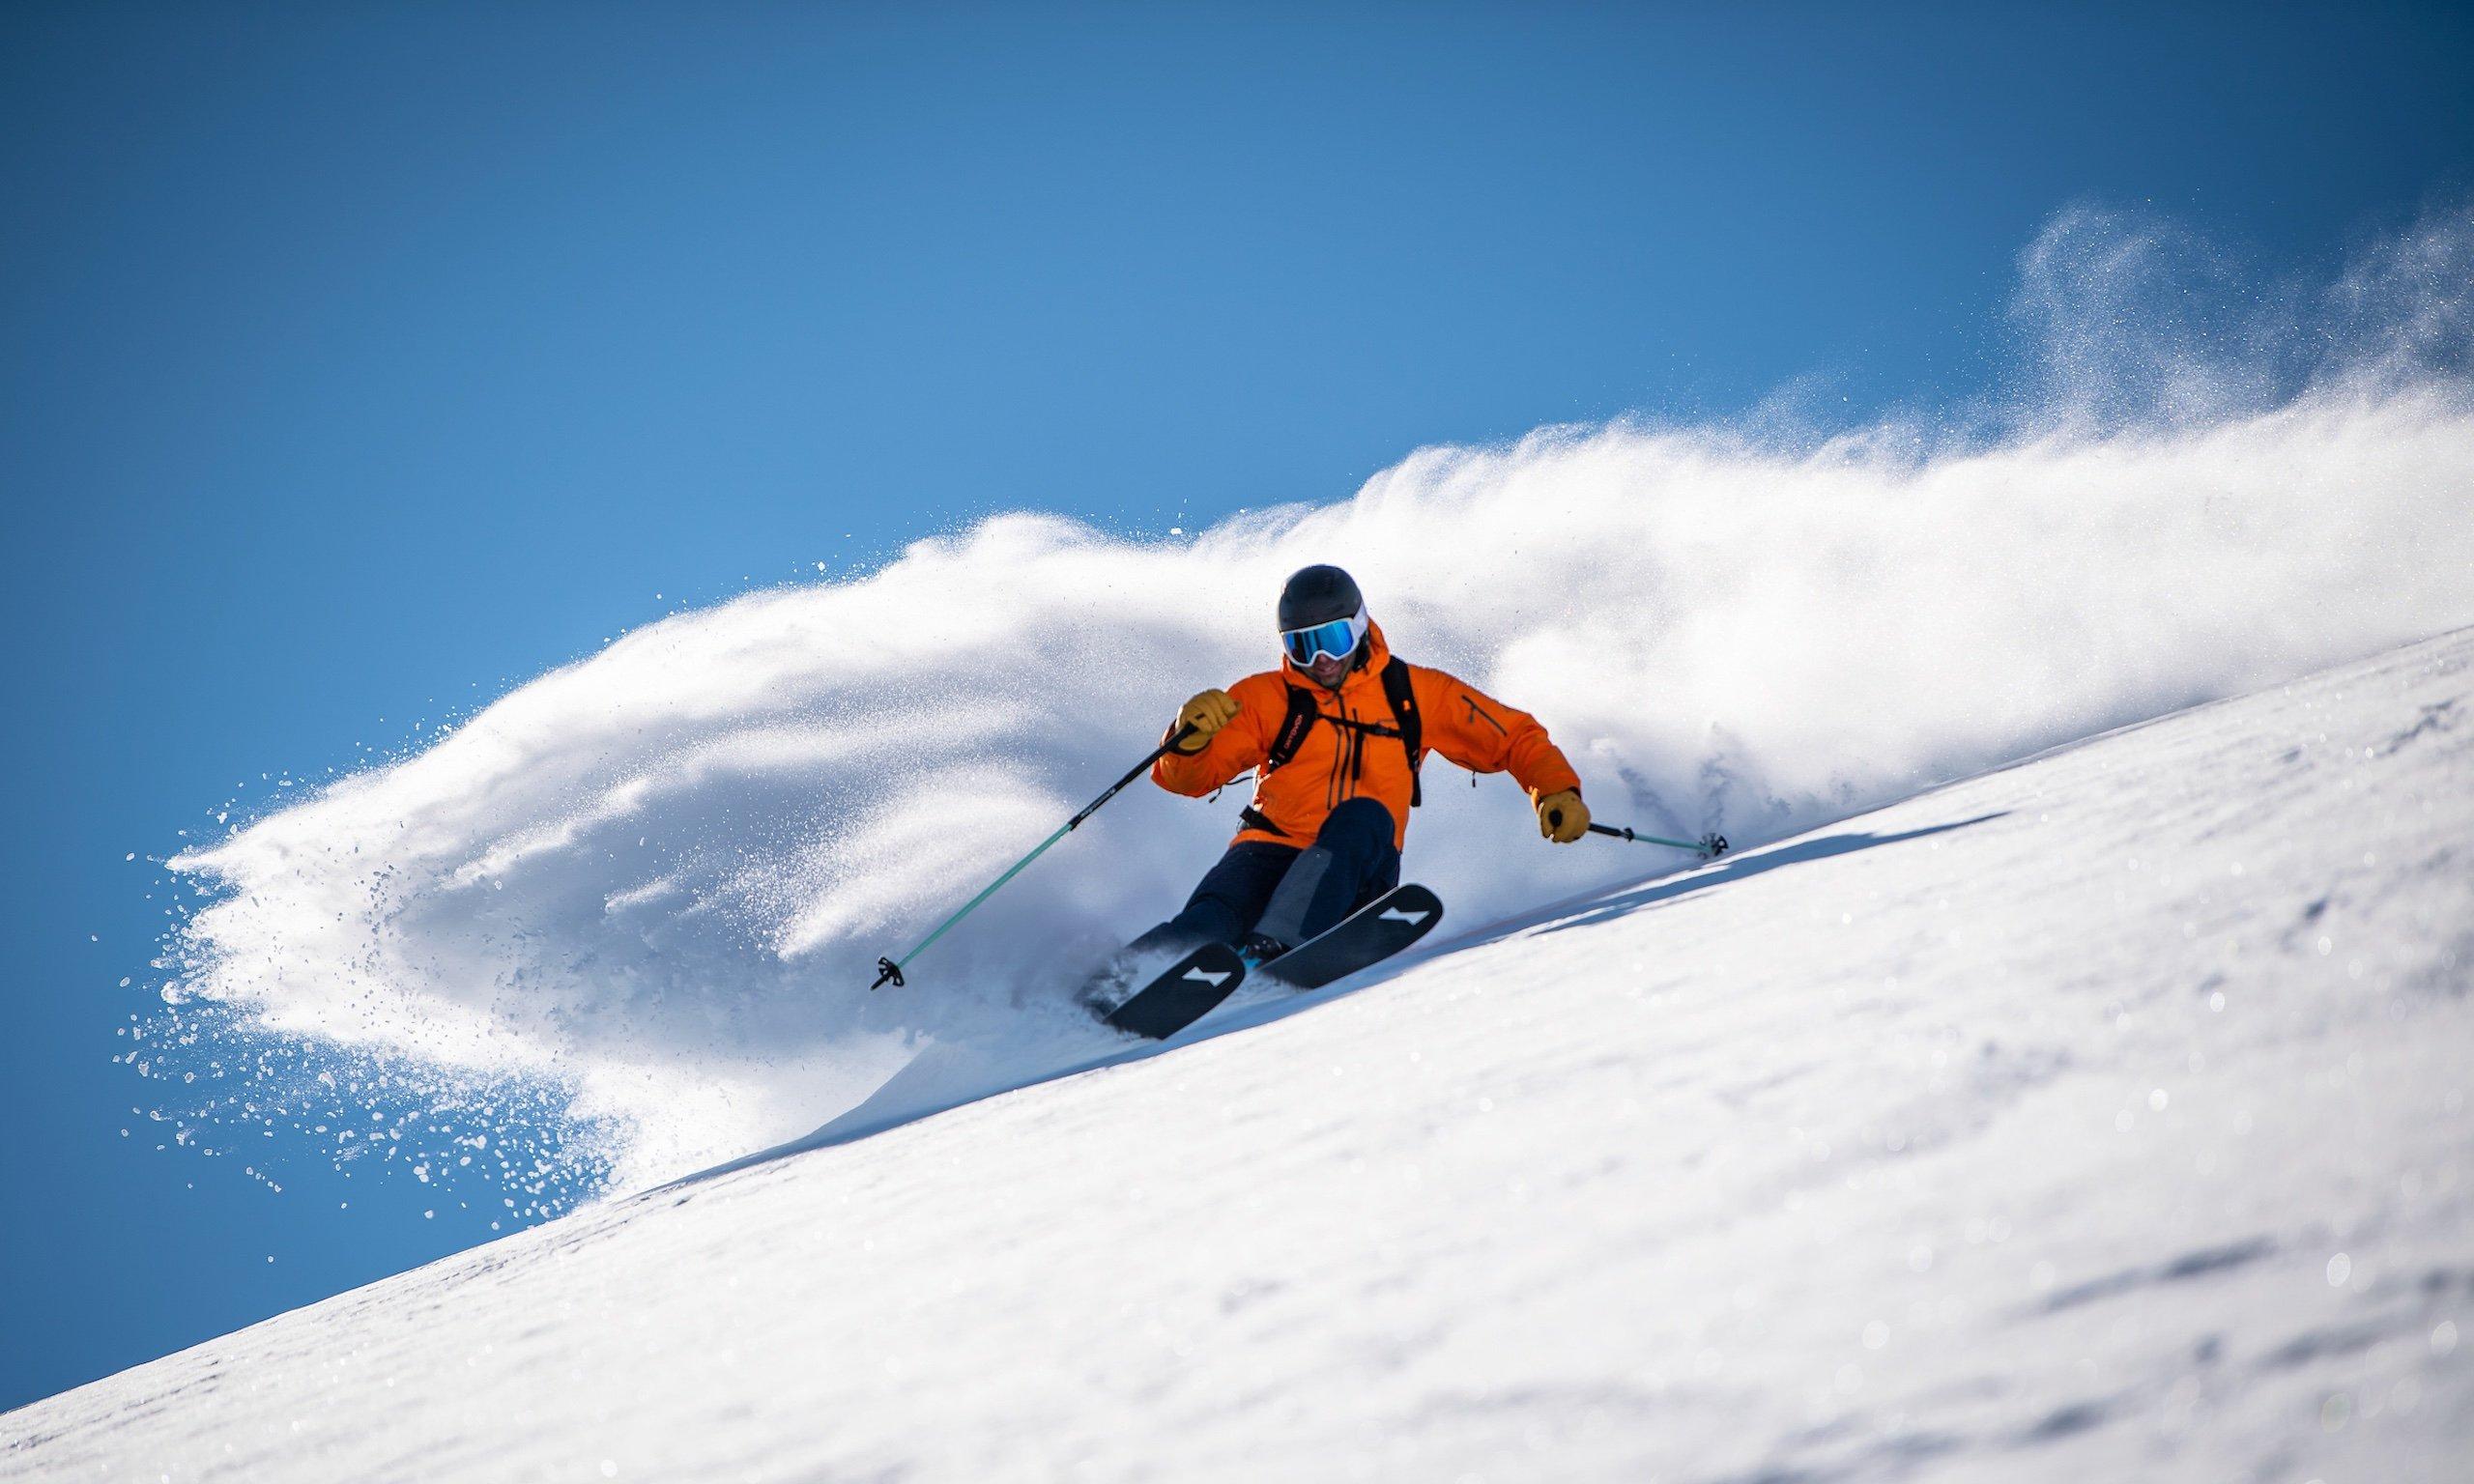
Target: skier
[[1334, 738]]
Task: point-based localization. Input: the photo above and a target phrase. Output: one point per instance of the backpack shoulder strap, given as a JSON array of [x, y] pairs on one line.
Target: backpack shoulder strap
[[1403, 696], [1293, 727], [1398, 689]]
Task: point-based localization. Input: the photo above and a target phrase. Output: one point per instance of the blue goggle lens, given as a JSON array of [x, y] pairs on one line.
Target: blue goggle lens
[[1337, 638]]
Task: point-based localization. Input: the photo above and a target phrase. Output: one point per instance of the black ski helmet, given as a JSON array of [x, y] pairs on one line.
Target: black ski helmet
[[1318, 594]]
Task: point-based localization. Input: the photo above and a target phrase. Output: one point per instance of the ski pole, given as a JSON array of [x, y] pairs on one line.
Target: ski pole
[[1709, 846], [890, 969]]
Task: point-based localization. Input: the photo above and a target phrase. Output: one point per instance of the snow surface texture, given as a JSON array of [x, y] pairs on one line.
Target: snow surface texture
[[656, 880], [2099, 1118]]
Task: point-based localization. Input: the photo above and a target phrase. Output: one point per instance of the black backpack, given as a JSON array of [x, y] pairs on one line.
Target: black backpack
[[1303, 713]]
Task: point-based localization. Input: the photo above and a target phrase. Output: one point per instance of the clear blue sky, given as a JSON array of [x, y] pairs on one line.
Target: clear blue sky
[[357, 362]]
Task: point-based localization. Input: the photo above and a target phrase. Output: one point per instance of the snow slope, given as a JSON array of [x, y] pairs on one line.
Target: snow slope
[[2101, 1116]]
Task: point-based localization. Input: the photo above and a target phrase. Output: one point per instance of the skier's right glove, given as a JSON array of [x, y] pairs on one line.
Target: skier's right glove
[[1206, 714]]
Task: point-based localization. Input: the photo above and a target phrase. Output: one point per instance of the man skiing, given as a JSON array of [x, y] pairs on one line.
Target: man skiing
[[1334, 738]]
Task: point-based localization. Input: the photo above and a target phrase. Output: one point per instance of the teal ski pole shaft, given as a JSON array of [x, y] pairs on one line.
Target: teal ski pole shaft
[[1707, 847], [889, 970]]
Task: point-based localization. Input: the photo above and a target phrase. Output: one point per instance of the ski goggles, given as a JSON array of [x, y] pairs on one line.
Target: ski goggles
[[1338, 639]]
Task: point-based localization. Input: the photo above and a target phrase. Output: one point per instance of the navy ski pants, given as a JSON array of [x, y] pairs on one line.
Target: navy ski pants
[[1285, 892]]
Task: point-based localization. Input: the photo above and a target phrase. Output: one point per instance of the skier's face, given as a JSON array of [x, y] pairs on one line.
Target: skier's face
[[1329, 671]]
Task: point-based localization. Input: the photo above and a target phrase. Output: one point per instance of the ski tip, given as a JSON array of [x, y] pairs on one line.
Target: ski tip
[[1181, 994]]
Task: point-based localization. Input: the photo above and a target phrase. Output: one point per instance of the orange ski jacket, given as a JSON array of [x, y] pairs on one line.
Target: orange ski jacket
[[1335, 763]]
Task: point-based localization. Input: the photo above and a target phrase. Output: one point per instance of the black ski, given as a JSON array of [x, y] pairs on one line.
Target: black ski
[[1195, 986], [1375, 931], [1181, 994]]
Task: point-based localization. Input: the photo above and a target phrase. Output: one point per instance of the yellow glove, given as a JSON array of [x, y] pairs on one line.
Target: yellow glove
[[1563, 817], [1206, 714]]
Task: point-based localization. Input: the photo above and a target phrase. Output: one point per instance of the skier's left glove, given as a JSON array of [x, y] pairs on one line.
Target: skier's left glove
[[1563, 817]]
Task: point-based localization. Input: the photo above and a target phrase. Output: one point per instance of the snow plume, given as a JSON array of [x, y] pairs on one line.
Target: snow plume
[[657, 879], [2129, 320]]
